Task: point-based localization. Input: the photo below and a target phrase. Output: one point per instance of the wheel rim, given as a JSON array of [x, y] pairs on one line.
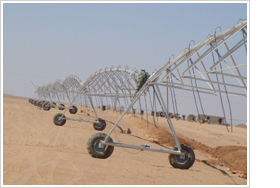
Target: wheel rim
[[98, 147], [46, 105], [99, 125], [59, 119], [73, 110], [182, 159]]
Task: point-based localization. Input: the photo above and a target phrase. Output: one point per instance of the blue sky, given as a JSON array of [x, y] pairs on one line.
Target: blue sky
[[46, 42]]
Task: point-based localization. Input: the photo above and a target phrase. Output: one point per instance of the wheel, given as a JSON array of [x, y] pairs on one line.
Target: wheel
[[73, 110], [182, 162], [36, 103], [46, 106], [57, 119], [40, 103], [100, 126], [61, 108], [95, 149], [53, 104]]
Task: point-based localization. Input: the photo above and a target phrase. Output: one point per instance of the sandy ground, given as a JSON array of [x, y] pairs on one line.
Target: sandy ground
[[36, 152]]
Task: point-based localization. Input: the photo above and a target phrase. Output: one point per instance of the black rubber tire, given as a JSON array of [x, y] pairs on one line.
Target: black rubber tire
[[57, 121], [61, 108], [186, 163], [53, 104], [73, 110], [100, 126], [40, 104], [93, 146], [46, 106], [36, 103]]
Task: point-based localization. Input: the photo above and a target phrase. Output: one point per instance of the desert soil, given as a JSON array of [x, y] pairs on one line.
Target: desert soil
[[36, 152]]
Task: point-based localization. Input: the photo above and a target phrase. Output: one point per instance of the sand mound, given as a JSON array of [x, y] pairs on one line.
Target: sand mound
[[233, 157]]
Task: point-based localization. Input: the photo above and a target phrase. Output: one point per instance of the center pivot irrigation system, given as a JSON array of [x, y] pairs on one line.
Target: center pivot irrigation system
[[216, 66], [114, 83], [57, 91]]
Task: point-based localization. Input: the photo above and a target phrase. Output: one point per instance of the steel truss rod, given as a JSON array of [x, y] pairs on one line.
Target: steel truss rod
[[205, 70], [110, 84], [211, 49], [158, 94], [237, 46], [99, 83], [144, 147], [231, 75], [200, 73], [111, 95], [91, 103], [118, 78], [235, 63], [201, 91], [214, 82], [103, 83], [189, 52], [80, 120], [94, 81], [163, 107], [107, 79], [138, 95]]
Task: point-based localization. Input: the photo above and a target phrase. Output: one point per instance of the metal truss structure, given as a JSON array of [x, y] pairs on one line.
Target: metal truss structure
[[118, 84], [57, 91], [217, 66], [191, 71], [115, 83]]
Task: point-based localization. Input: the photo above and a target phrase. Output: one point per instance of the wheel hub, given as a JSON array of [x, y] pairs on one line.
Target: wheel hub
[[182, 158], [98, 146], [60, 119], [99, 125]]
